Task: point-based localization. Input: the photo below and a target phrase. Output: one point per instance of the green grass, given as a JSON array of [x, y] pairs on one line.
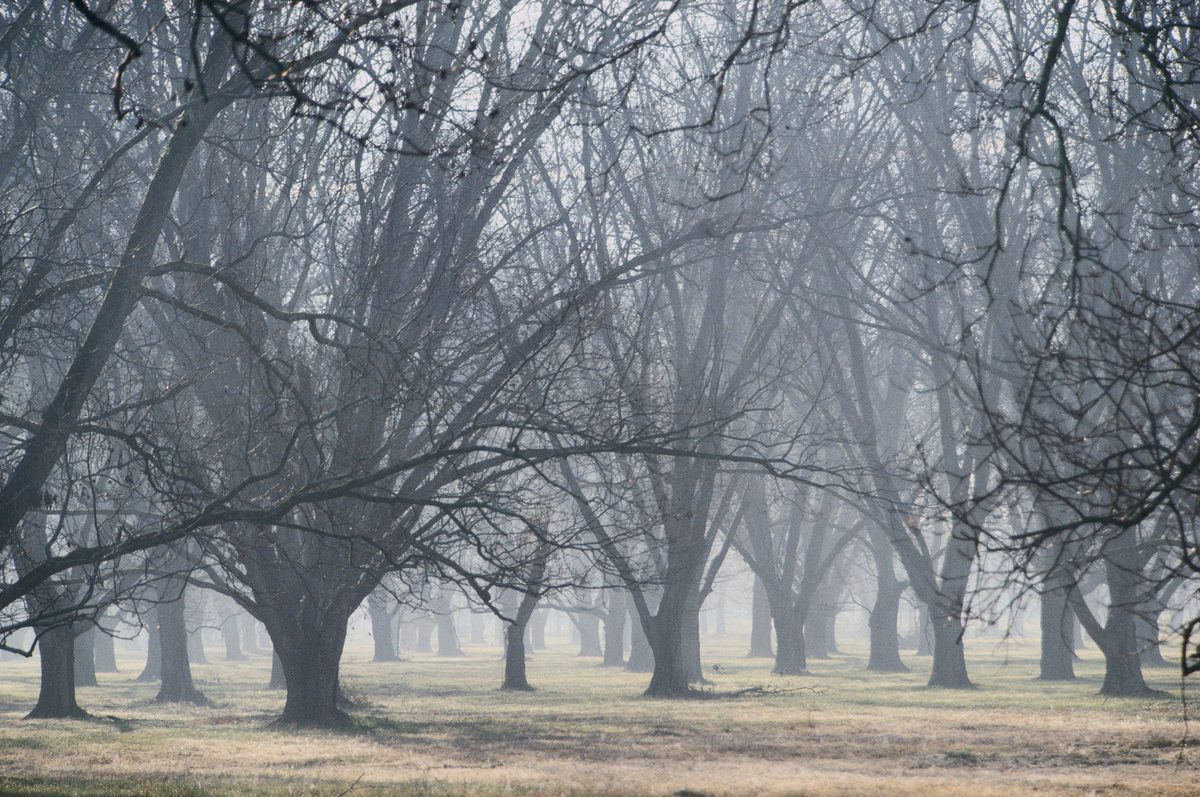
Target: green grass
[[430, 726]]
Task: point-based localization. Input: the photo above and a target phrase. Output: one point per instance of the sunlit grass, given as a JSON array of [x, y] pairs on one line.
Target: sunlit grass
[[430, 726]]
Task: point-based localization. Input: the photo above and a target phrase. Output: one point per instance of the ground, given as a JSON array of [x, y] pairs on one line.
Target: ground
[[431, 726]]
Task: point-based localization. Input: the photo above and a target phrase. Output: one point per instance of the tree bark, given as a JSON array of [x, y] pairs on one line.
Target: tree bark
[[153, 669], [614, 629], [589, 634], [85, 658], [176, 670], [106, 653], [760, 623], [641, 655], [448, 637], [885, 635], [1058, 631], [56, 694], [424, 635], [278, 679], [232, 637], [381, 631], [311, 664], [949, 660], [537, 625], [789, 645]]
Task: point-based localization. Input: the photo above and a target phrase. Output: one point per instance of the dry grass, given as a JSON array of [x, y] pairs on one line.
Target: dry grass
[[440, 727]]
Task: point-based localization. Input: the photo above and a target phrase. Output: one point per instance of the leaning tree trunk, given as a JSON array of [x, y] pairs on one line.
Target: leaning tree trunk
[[614, 629], [760, 623], [85, 658], [1058, 631], [176, 673], [56, 695]]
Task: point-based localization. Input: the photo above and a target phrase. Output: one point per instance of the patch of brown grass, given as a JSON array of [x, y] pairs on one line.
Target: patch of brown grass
[[441, 727]]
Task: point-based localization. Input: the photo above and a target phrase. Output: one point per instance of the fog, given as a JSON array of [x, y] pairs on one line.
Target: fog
[[756, 356]]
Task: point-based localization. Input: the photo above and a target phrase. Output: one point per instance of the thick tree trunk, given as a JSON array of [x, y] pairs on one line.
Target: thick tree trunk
[[153, 669], [614, 629], [278, 679], [885, 635], [924, 632], [85, 658], [56, 695], [537, 626], [232, 637], [1058, 631], [816, 635], [176, 672], [789, 645], [1149, 637], [478, 626], [514, 659], [311, 663], [448, 637], [672, 672], [106, 653], [424, 635], [195, 646], [381, 631], [949, 660], [691, 643], [760, 623], [249, 629], [1119, 642], [641, 655], [588, 625]]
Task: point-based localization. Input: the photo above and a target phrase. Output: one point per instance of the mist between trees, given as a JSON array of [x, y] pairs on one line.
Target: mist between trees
[[508, 306]]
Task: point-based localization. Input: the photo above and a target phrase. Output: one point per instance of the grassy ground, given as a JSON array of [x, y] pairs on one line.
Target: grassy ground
[[433, 726]]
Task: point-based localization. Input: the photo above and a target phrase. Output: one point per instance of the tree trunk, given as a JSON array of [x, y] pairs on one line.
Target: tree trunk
[[514, 659], [176, 669], [231, 635], [195, 646], [278, 679], [691, 642], [1119, 642], [381, 631], [477, 628], [1058, 631], [106, 653], [885, 636], [56, 695], [816, 635], [614, 629], [448, 636], [641, 655], [760, 623], [949, 661], [1149, 637], [924, 632], [153, 669], [672, 672], [424, 635], [537, 625], [311, 662], [249, 628], [589, 634], [789, 645], [85, 658]]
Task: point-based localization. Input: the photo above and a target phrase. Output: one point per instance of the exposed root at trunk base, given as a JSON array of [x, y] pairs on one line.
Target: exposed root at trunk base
[[337, 720], [516, 688]]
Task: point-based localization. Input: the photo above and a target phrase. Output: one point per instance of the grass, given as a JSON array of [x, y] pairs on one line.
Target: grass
[[433, 726]]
